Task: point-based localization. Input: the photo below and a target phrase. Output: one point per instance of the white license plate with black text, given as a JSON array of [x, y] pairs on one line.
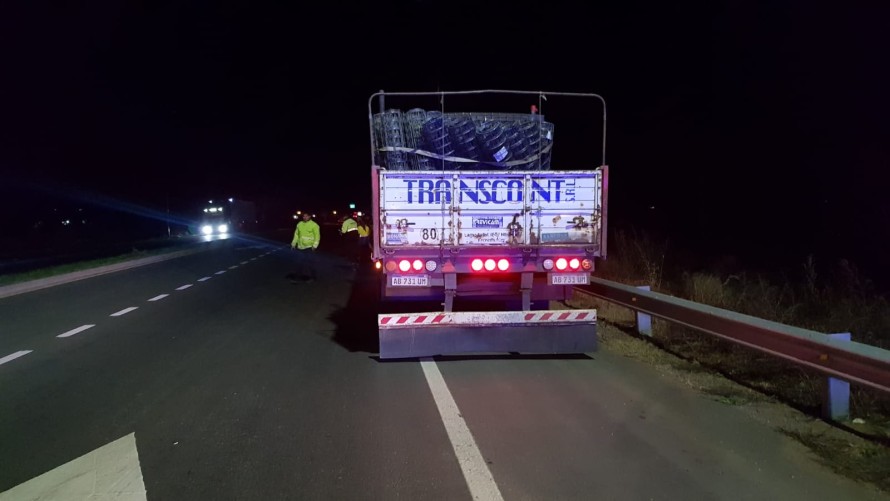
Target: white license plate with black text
[[569, 279], [410, 281]]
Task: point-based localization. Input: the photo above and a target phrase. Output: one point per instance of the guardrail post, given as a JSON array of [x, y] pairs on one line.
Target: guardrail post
[[836, 399], [644, 320]]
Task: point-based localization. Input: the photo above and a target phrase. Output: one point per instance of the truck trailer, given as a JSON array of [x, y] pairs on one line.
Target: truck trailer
[[469, 209]]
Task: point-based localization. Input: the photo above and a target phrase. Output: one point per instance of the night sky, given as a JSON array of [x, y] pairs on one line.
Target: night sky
[[758, 129]]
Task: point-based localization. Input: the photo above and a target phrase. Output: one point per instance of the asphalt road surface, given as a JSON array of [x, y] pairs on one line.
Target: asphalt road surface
[[214, 376]]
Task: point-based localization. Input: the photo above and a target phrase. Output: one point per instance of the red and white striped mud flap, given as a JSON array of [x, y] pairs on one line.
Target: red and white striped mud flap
[[409, 335]]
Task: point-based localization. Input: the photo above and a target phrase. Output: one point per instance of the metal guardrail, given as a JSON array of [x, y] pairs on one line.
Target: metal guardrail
[[847, 360]]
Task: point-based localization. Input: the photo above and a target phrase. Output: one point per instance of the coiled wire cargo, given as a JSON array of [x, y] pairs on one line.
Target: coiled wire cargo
[[428, 140]]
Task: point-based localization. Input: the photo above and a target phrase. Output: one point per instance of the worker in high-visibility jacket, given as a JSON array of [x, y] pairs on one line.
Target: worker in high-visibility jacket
[[349, 230], [348, 225], [307, 236]]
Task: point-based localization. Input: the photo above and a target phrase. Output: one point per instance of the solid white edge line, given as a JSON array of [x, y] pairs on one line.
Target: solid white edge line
[[204, 279], [124, 311], [14, 356], [472, 464], [75, 331], [183, 287], [159, 297]]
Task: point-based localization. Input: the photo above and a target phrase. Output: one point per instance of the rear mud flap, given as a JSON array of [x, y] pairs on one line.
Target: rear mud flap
[[540, 332]]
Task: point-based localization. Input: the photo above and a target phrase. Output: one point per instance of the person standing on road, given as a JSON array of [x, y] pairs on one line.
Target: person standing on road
[[307, 236], [349, 230]]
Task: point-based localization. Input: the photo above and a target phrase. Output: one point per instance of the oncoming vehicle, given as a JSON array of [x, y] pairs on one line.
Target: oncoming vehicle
[[215, 220], [227, 217]]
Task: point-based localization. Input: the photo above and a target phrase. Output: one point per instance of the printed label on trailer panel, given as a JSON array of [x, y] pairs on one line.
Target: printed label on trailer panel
[[488, 222]]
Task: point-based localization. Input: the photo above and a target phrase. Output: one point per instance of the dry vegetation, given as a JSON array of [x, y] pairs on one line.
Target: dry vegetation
[[837, 300]]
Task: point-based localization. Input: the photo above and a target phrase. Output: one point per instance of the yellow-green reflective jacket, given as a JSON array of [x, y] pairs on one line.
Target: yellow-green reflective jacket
[[306, 235]]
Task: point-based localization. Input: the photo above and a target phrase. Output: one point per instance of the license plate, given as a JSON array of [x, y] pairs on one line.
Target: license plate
[[410, 281], [569, 279]]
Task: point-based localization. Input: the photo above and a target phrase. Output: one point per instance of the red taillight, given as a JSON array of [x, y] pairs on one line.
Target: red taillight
[[561, 263], [574, 263], [418, 265], [404, 265], [490, 264]]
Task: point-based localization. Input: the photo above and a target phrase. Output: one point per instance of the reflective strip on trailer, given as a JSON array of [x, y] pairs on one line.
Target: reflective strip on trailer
[[482, 318]]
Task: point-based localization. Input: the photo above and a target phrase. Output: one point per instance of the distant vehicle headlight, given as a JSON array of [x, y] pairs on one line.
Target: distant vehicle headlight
[[223, 228], [207, 229]]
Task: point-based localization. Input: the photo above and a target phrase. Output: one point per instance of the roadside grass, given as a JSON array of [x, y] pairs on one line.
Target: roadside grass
[[840, 301], [867, 462], [857, 455], [829, 300], [51, 271], [138, 249], [845, 302]]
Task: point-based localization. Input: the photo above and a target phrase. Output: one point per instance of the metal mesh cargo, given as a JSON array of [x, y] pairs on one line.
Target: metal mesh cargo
[[428, 140], [390, 131]]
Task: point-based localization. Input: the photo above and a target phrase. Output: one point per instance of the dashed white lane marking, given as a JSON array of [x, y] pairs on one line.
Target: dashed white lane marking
[[159, 297], [475, 470], [183, 287], [220, 272], [75, 331], [14, 356], [243, 262], [124, 311], [204, 279], [233, 267]]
